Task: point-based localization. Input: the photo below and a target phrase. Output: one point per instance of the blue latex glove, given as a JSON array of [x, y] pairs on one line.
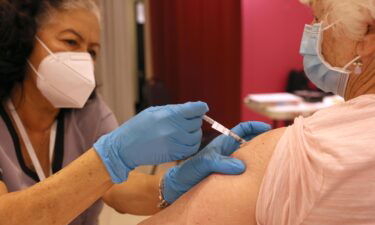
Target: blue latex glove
[[212, 159], [156, 135]]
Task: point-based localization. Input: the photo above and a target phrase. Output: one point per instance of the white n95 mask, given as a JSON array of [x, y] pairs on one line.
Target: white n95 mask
[[66, 79], [317, 69]]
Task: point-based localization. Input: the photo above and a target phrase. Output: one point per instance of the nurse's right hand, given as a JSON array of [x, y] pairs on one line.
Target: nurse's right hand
[[156, 135]]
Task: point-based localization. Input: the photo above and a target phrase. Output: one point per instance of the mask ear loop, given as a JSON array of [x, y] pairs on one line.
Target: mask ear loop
[[45, 46], [49, 52], [35, 70], [320, 41], [328, 27], [358, 68]]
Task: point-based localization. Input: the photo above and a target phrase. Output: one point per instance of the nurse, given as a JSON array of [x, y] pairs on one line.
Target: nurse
[[57, 162]]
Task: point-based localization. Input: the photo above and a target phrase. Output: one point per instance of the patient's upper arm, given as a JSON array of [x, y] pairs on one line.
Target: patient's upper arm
[[223, 199]]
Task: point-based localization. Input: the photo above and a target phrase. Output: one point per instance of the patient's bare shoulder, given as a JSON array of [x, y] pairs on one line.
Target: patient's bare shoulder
[[223, 199]]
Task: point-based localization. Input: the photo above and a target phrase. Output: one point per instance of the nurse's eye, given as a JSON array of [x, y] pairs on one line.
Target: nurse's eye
[[71, 42]]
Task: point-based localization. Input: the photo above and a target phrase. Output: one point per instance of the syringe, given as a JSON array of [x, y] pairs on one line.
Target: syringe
[[217, 126]]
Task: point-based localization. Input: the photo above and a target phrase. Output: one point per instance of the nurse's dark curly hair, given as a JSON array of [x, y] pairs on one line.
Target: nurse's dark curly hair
[[19, 22]]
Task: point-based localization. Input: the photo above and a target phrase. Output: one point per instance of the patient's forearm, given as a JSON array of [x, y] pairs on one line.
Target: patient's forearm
[[138, 196], [223, 199]]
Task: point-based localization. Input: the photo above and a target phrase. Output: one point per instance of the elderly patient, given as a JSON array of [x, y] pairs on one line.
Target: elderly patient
[[321, 170]]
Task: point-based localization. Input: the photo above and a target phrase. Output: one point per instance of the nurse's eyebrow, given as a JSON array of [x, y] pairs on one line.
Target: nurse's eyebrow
[[74, 32]]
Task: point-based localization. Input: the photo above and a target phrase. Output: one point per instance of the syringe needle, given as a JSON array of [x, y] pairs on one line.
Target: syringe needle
[[237, 138], [217, 126]]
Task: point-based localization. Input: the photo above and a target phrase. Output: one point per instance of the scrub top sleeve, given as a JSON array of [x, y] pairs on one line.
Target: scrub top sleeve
[[108, 124], [107, 120]]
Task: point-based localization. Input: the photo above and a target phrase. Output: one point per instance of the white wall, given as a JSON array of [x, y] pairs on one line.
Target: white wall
[[116, 72]]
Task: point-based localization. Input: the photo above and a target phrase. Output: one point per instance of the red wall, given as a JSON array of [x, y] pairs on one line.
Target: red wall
[[272, 31], [197, 53]]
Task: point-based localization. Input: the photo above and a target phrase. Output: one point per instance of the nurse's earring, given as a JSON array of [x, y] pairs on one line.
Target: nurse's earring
[[358, 66]]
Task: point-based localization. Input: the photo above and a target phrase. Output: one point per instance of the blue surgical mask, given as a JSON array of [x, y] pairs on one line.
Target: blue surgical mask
[[318, 70]]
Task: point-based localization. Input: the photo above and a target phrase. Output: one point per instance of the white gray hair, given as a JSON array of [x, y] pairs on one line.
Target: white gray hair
[[63, 5], [352, 18]]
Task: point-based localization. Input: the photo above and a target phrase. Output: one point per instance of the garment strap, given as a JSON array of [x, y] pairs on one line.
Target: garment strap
[[29, 147]]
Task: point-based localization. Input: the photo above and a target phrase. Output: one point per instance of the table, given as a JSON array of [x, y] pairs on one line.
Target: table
[[286, 106]]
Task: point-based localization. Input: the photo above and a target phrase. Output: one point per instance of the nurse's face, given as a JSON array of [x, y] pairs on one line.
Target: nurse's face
[[76, 30]]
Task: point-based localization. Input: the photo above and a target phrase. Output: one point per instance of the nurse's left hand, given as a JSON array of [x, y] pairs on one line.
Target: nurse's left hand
[[212, 159]]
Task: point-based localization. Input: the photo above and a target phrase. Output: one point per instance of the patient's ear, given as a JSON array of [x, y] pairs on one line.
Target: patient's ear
[[366, 47]]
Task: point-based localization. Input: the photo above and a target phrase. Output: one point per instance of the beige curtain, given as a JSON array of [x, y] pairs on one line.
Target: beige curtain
[[116, 71]]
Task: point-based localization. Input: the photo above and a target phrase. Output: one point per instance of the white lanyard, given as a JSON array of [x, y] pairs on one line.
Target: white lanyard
[[29, 146]]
